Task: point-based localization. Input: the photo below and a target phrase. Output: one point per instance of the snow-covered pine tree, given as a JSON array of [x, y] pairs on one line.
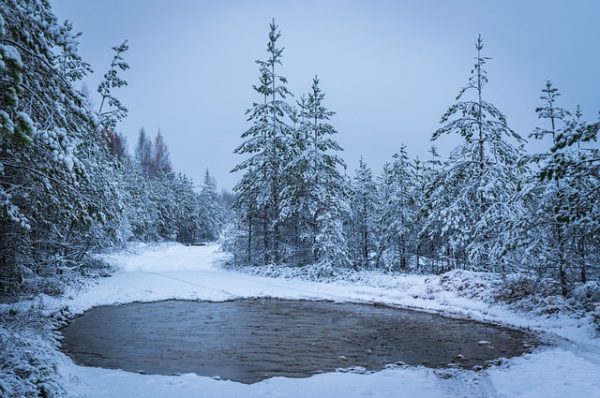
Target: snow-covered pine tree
[[105, 190], [577, 163], [245, 225], [363, 201], [396, 213], [328, 203], [162, 193], [266, 141], [211, 210], [568, 181], [429, 233], [480, 176], [102, 192], [189, 217], [253, 190], [43, 119], [141, 212], [419, 179], [111, 110], [296, 196], [538, 232]]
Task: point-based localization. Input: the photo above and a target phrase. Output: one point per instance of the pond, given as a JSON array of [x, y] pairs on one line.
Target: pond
[[251, 340]]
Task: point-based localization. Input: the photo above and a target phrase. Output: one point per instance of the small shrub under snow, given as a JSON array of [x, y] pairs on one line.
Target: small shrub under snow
[[596, 317], [468, 283], [29, 345], [587, 295]]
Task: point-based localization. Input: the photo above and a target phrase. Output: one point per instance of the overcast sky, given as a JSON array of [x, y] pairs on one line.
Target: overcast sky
[[390, 69]]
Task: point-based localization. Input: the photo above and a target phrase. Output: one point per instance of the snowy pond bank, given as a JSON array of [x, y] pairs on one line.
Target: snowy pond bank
[[568, 366]]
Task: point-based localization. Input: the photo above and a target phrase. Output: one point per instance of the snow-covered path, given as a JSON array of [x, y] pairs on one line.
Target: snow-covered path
[[571, 368]]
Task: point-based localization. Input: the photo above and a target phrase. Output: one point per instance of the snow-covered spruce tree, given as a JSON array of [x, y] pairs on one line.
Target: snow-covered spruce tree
[[211, 211], [266, 143], [363, 201], [165, 202], [480, 176], [396, 213]]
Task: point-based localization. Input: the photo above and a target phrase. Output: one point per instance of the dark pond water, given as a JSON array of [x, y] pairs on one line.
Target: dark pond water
[[255, 339]]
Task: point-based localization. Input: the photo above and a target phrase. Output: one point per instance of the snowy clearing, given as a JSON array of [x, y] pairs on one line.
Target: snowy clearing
[[568, 367]]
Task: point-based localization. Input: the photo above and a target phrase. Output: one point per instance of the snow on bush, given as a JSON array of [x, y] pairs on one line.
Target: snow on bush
[[531, 294], [587, 295], [469, 284], [29, 340], [596, 317], [315, 272], [515, 288], [28, 343], [55, 277]]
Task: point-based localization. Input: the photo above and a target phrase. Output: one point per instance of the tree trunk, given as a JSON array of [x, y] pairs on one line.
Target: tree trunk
[[249, 248], [583, 267]]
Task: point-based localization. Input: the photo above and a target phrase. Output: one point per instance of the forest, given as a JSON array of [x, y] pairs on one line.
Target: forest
[[489, 206], [68, 186], [473, 271]]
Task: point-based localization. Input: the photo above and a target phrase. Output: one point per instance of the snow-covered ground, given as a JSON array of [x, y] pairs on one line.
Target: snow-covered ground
[[569, 367]]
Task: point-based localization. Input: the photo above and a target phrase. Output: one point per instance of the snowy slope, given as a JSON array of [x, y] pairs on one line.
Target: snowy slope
[[570, 367]]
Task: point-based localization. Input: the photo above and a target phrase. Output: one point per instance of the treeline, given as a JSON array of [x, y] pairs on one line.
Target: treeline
[[488, 206], [67, 185]]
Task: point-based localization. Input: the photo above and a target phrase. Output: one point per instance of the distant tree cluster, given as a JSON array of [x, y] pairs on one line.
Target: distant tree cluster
[[163, 205], [488, 206], [67, 183]]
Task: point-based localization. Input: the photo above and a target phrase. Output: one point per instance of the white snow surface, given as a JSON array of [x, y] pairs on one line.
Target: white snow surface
[[568, 367]]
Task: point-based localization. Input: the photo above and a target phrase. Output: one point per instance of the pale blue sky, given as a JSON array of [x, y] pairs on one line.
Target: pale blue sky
[[389, 68]]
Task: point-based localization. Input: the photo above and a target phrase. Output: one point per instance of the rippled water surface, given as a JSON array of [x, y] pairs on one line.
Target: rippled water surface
[[254, 339]]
